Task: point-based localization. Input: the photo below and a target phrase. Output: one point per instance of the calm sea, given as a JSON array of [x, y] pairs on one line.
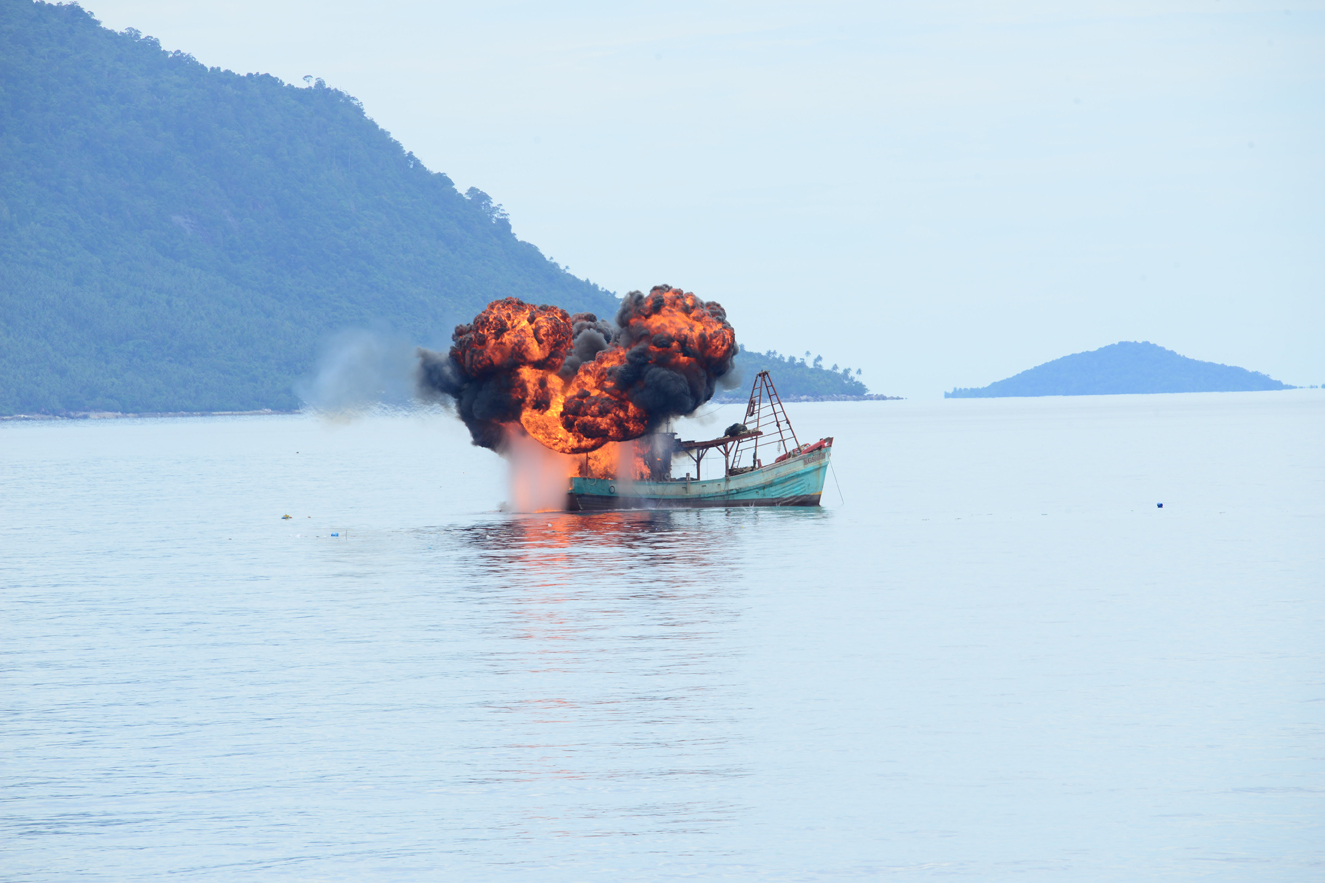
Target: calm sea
[[990, 657]]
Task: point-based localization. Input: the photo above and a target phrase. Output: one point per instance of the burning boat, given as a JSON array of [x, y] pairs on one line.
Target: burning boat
[[595, 393], [763, 464]]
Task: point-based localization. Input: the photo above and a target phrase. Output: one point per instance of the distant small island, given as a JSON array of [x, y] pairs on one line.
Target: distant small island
[[1123, 368]]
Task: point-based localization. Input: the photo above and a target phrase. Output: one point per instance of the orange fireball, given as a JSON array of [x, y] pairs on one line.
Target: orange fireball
[[513, 363]]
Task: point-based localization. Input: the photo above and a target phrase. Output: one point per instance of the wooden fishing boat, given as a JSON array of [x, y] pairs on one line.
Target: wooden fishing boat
[[763, 464]]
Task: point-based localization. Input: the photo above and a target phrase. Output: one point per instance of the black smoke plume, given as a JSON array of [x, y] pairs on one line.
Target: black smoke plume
[[578, 382]]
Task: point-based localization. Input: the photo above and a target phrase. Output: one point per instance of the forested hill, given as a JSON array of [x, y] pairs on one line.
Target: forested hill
[[1126, 367], [174, 237], [796, 379]]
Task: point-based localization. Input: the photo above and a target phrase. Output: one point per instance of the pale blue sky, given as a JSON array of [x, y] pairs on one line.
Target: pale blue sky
[[942, 193]]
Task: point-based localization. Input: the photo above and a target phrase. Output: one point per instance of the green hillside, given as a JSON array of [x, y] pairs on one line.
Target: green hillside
[[174, 237], [1123, 368]]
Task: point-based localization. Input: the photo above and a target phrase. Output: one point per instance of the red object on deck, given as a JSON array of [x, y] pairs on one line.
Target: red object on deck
[[807, 449]]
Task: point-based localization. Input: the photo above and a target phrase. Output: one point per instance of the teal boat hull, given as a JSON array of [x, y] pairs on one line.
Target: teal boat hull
[[796, 481]]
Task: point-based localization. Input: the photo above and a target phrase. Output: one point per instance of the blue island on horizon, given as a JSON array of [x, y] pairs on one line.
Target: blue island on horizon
[[1123, 368]]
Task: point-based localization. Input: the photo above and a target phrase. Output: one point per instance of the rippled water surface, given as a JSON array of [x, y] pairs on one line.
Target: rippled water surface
[[991, 657]]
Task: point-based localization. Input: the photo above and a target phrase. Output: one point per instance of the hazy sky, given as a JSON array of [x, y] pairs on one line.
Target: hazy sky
[[941, 193]]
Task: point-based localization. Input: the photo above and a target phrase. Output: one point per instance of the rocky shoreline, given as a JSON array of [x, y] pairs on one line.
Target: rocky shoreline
[[732, 400]]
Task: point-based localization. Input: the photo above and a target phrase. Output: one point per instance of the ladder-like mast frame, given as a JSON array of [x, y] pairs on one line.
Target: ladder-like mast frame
[[765, 415]]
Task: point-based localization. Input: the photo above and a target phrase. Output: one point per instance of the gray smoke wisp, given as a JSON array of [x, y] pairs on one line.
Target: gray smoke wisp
[[359, 370]]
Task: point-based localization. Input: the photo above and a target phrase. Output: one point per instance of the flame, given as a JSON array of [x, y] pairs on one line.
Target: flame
[[512, 331], [580, 408], [621, 460], [638, 466], [601, 463]]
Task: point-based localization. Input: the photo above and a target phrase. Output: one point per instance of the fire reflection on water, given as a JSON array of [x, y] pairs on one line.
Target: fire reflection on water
[[612, 642]]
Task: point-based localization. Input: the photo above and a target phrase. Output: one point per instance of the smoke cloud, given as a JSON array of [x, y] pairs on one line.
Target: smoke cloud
[[575, 383], [358, 370], [537, 475]]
